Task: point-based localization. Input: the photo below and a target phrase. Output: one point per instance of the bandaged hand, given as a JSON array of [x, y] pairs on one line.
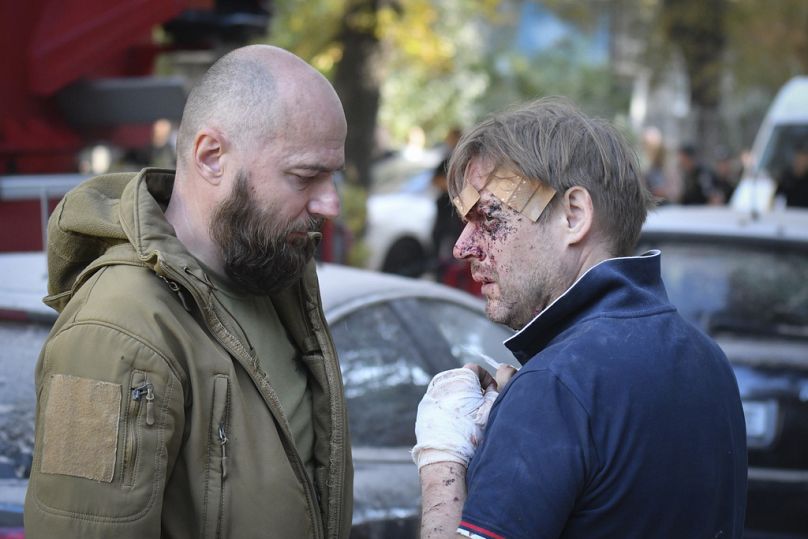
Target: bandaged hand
[[451, 418]]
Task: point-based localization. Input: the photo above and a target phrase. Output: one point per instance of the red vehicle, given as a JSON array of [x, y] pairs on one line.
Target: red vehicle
[[80, 72]]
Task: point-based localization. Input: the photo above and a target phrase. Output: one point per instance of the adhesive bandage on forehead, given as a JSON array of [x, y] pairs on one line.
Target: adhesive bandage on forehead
[[528, 197]]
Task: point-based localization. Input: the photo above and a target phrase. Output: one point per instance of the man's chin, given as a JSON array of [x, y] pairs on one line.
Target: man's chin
[[499, 312], [493, 310]]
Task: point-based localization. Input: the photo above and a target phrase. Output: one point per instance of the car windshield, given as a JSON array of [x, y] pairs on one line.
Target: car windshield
[[778, 153], [738, 289]]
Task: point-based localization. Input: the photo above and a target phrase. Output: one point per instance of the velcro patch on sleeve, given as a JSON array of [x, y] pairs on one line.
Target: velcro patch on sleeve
[[80, 427]]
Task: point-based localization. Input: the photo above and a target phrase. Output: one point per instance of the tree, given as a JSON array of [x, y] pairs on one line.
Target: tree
[[414, 53], [698, 29]]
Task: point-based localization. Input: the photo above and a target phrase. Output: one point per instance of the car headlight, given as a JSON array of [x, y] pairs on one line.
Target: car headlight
[[761, 422]]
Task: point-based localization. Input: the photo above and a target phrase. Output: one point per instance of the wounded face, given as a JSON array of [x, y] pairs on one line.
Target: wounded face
[[261, 254], [513, 254]]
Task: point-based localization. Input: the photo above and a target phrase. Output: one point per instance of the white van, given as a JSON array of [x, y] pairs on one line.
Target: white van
[[785, 124]]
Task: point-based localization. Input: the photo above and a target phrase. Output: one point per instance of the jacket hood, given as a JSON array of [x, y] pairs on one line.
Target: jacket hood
[[113, 218]]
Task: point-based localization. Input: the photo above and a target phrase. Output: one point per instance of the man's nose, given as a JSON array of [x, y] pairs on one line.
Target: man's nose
[[325, 201], [466, 245]]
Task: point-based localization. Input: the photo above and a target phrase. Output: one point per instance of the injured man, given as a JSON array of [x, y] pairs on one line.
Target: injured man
[[623, 420]]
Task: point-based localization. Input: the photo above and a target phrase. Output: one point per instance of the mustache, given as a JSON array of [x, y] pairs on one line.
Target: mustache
[[309, 224]]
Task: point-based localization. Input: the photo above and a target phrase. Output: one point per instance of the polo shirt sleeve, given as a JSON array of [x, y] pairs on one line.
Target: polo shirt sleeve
[[533, 463]]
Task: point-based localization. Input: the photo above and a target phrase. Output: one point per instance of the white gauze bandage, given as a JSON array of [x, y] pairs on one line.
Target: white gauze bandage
[[451, 418]]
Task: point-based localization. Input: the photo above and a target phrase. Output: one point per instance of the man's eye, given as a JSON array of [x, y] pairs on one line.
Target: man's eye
[[489, 221], [302, 180]]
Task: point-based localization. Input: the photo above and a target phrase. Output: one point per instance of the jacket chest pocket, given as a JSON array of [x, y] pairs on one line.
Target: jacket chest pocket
[[139, 416], [218, 446]]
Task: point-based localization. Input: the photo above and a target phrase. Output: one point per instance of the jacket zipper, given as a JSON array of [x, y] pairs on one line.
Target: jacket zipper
[[336, 494], [141, 390], [147, 390], [171, 277], [215, 517], [174, 287], [223, 442]]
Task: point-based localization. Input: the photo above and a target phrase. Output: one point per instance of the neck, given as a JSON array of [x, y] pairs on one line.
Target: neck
[[590, 253], [186, 216]]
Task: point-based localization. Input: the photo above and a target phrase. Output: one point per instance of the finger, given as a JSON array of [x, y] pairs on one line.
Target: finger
[[504, 373], [473, 367], [486, 380]]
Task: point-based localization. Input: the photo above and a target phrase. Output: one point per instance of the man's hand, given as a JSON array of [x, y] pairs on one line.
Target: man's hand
[[452, 416], [504, 374]]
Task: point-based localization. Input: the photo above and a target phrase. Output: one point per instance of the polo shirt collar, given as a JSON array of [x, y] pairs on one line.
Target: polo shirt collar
[[614, 286]]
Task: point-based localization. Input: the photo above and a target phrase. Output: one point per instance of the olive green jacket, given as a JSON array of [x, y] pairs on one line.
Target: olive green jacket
[[153, 416]]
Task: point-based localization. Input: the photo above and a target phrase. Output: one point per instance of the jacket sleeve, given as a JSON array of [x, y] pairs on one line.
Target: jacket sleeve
[[109, 425]]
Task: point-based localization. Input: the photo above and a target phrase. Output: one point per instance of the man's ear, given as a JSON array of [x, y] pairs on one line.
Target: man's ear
[[208, 155], [579, 214]]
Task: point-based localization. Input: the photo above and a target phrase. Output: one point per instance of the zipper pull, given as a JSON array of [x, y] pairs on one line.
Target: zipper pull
[[147, 390], [223, 441], [174, 287], [139, 391], [149, 405]]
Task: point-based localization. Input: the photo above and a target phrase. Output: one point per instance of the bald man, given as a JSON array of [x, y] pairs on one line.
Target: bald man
[[189, 388]]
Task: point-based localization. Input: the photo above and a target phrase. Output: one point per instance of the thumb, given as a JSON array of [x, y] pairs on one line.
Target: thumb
[[481, 416]]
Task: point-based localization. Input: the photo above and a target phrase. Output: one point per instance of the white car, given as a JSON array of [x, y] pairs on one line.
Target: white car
[[400, 215], [784, 126]]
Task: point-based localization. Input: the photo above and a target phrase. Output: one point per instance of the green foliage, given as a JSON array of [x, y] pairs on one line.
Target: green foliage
[[768, 42], [590, 86], [447, 63], [432, 73]]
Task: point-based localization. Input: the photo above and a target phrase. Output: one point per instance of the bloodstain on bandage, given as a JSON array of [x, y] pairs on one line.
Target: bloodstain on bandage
[[528, 197]]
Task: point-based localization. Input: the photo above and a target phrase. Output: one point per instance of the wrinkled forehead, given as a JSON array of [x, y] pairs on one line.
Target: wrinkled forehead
[[528, 197]]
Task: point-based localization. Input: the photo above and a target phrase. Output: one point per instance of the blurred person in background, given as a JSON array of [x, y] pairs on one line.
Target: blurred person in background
[[793, 182], [162, 152], [189, 387], [654, 173], [624, 420], [445, 231], [698, 180], [726, 177]]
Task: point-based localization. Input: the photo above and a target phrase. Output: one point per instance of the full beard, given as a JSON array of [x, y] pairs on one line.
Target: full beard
[[261, 255]]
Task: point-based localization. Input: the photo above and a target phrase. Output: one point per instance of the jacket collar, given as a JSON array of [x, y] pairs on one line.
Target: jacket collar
[[142, 215], [618, 285]]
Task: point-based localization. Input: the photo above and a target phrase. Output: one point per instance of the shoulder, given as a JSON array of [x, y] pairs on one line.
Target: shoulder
[[537, 389], [125, 307], [121, 294]]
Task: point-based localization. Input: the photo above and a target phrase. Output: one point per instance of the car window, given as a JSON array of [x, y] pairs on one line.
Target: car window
[[469, 333], [390, 351], [738, 288], [22, 342], [385, 375]]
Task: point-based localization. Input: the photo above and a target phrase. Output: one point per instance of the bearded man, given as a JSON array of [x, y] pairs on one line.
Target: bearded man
[[189, 387]]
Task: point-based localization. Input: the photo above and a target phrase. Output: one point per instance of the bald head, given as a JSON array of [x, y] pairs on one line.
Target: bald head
[[250, 95]]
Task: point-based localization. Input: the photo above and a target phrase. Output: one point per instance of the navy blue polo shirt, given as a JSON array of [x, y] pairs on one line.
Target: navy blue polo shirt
[[624, 421]]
